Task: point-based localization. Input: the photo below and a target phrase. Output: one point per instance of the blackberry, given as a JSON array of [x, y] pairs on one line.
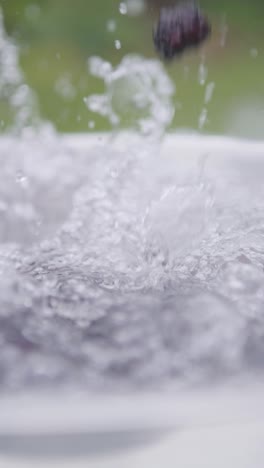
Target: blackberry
[[180, 28]]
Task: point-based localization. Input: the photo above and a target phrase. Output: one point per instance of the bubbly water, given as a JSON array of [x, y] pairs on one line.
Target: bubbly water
[[122, 264]]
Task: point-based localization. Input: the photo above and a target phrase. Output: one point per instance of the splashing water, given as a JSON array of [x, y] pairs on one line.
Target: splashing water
[[16, 98], [138, 94], [121, 263]]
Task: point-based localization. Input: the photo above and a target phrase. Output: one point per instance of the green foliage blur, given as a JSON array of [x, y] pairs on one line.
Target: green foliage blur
[[56, 38]]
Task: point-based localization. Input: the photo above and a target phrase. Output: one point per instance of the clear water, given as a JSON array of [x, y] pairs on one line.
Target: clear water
[[119, 267]]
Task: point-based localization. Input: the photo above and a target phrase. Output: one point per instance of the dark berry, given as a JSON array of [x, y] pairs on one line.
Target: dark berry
[[180, 28]]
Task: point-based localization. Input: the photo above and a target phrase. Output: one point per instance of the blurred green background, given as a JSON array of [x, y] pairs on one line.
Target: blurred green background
[[56, 38]]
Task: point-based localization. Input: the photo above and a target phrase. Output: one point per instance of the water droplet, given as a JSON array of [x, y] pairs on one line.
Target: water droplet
[[209, 92], [117, 44], [21, 179], [135, 7], [254, 52], [91, 124], [123, 8], [111, 25], [202, 74], [202, 118], [223, 32], [99, 67]]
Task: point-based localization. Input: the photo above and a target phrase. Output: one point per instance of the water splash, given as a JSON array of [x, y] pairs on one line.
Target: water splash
[[16, 97], [121, 264], [137, 94]]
